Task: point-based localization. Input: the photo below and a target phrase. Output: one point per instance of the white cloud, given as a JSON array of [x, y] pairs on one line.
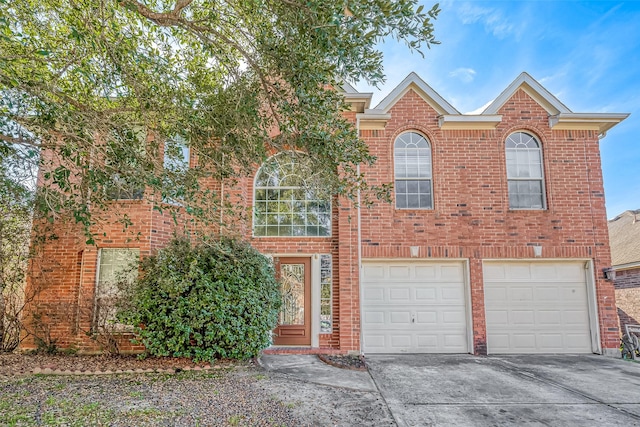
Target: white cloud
[[465, 75], [493, 20]]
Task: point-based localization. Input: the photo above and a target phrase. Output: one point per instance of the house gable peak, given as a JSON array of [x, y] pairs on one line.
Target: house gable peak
[[535, 90], [426, 92]]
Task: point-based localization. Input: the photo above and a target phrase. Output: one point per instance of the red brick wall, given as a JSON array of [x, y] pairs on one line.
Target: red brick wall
[[471, 219], [471, 216]]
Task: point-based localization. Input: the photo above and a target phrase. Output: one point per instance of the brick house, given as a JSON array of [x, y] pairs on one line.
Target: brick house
[[495, 241], [624, 236]]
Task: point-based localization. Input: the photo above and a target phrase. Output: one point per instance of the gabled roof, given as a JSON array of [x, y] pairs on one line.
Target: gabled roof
[[359, 100], [624, 237], [535, 90], [413, 81], [559, 115]]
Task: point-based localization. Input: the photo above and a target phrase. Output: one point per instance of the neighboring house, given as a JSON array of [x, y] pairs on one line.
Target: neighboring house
[[624, 237], [495, 242]]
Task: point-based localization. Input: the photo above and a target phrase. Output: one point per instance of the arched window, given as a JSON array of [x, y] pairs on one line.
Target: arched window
[[524, 171], [412, 161], [284, 205]]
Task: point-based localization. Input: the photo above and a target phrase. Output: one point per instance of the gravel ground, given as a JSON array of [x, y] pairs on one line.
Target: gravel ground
[[229, 394]]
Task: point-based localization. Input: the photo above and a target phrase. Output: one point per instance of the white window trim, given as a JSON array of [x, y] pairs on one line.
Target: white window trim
[[541, 179], [253, 213], [430, 179], [115, 327]]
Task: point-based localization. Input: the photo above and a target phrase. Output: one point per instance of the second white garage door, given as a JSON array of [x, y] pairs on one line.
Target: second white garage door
[[536, 307], [414, 307]]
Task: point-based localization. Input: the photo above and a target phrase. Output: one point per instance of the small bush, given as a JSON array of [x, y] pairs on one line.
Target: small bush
[[211, 300]]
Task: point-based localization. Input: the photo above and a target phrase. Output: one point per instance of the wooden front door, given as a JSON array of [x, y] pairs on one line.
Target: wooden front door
[[294, 324]]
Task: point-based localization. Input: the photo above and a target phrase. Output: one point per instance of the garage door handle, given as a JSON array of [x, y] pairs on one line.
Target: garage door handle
[[413, 318]]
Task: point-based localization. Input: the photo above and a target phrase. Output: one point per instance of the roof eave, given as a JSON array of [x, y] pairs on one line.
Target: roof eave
[[600, 122]]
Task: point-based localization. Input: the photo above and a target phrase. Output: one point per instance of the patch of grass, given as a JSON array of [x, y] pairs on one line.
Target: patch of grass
[[235, 420], [12, 414], [136, 394], [65, 412]]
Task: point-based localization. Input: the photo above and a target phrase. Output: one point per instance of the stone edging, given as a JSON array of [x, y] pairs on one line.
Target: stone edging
[[49, 371]]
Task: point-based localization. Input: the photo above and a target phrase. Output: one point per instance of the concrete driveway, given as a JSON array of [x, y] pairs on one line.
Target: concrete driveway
[[550, 390]]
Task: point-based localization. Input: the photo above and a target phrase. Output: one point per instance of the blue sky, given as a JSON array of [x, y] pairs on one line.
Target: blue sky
[[586, 53]]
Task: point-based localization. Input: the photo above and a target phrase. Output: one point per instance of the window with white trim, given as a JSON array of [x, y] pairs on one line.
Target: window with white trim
[[525, 176], [125, 155], [412, 164], [176, 154], [284, 205], [176, 164], [117, 267], [326, 292]]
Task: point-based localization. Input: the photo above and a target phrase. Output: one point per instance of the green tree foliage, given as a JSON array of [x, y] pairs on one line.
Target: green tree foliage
[[101, 84], [216, 299]]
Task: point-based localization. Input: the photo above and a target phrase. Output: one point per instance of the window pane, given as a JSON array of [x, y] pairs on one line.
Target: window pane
[[413, 201], [401, 201], [524, 160], [526, 195], [292, 206], [412, 162]]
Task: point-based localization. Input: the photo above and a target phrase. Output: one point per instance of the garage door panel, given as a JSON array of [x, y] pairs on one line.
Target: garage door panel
[[374, 294], [418, 306], [544, 312], [452, 294], [522, 318], [399, 272], [549, 317], [400, 294], [400, 317], [497, 317], [426, 294], [454, 318], [425, 272], [454, 273], [521, 294], [427, 318], [497, 293]]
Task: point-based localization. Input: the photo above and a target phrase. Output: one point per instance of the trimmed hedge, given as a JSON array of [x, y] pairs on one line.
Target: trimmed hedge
[[217, 299]]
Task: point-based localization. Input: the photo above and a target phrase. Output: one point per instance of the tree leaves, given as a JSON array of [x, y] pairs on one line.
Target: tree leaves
[[237, 80]]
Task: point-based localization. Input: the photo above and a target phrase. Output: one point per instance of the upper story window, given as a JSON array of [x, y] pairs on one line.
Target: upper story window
[[524, 172], [176, 164], [284, 205], [126, 155], [176, 154], [413, 180]]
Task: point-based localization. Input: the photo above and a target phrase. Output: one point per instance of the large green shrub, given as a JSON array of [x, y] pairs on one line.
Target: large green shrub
[[214, 299]]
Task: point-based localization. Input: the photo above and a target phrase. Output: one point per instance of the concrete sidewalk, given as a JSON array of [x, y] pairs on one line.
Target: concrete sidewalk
[[310, 369]]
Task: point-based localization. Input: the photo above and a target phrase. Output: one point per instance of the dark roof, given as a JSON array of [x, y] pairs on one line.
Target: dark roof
[[624, 237]]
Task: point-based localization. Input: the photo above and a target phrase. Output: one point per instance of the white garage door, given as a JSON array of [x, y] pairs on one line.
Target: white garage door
[[414, 307], [536, 307]]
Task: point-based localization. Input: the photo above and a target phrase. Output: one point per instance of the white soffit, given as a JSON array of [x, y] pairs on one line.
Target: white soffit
[[431, 97], [360, 101], [600, 122]]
